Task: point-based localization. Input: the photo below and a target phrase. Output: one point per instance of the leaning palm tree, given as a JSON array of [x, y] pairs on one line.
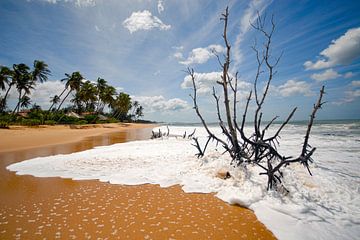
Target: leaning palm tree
[[74, 82], [54, 100], [5, 76]]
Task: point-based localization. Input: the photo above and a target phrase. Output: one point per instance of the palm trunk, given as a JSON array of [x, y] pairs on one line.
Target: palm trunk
[[18, 104], [3, 104], [63, 100]]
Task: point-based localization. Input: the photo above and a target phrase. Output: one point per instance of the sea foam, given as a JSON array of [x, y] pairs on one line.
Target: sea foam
[[324, 206]]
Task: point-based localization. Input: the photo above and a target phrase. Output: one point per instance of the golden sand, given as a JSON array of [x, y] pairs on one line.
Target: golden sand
[[54, 208]]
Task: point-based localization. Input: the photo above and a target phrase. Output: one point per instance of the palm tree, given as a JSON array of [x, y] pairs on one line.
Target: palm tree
[[107, 96], [40, 72], [121, 106], [139, 112], [23, 80], [101, 85], [25, 101], [88, 95], [74, 82], [5, 76], [54, 100]]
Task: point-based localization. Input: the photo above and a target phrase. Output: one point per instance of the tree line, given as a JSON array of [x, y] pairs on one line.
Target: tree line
[[86, 96]]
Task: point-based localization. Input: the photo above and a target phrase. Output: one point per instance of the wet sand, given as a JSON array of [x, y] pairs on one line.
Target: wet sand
[[55, 208]]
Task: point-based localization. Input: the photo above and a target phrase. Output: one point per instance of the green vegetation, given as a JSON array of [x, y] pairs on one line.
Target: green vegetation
[[91, 102]]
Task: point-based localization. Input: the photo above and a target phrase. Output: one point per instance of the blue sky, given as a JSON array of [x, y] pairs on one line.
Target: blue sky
[[143, 46]]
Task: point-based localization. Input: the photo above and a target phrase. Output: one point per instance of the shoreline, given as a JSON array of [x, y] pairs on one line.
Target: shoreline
[[19, 138], [87, 208]]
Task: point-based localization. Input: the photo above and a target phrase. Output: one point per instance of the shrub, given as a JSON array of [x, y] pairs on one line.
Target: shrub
[[82, 122], [50, 122], [4, 124], [30, 122], [91, 118]]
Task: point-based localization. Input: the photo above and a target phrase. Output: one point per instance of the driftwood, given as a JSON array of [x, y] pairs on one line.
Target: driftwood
[[160, 134], [254, 149]]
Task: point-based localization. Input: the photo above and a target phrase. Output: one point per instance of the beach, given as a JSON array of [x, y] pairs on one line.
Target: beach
[[52, 207]]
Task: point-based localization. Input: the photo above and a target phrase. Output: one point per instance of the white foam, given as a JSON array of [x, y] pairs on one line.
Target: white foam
[[325, 206]]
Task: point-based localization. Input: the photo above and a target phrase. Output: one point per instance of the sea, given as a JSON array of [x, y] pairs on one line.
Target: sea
[[325, 205]]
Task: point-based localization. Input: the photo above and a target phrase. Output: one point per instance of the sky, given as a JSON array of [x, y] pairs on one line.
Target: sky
[[143, 47]]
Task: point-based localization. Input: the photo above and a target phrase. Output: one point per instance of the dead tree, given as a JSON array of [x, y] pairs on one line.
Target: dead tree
[[255, 148]]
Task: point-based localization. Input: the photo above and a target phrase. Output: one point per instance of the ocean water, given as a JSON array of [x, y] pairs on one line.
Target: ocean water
[[323, 206]]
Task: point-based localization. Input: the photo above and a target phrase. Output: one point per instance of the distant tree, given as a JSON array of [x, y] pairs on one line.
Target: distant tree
[[87, 94], [23, 82], [107, 97], [139, 112], [121, 106], [73, 82], [54, 100], [25, 101]]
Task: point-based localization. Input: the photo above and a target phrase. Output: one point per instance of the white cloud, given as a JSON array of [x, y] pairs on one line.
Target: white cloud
[[294, 87], [206, 81], [355, 83], [160, 6], [43, 91], [349, 75], [78, 3], [40, 95], [248, 17], [326, 75], [160, 104], [200, 55], [144, 21], [341, 51]]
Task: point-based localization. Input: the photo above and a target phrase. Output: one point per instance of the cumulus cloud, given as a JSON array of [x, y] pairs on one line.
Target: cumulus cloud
[[294, 87], [160, 6], [78, 3], [41, 94], [326, 75], [206, 81], [349, 75], [355, 83], [341, 51], [160, 104], [351, 94], [200, 55], [143, 21]]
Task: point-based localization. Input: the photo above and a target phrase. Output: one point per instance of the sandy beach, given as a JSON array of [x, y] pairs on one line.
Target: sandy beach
[[55, 208]]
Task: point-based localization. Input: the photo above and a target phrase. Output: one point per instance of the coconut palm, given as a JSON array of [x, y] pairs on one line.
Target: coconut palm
[[23, 81], [88, 95], [107, 96], [101, 85], [54, 100], [25, 101], [5, 76], [74, 82], [40, 72], [121, 106]]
